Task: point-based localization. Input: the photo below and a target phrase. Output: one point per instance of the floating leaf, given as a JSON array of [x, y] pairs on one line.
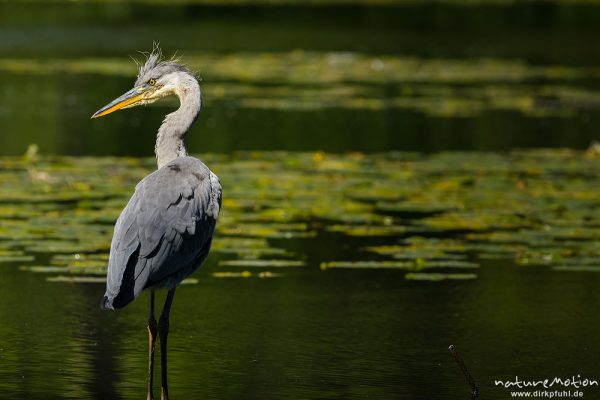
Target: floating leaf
[[244, 274], [262, 263], [15, 258], [448, 264], [76, 279], [574, 268], [438, 277], [368, 265], [269, 274]]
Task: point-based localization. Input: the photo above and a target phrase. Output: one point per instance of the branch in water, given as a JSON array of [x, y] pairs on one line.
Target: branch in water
[[465, 371]]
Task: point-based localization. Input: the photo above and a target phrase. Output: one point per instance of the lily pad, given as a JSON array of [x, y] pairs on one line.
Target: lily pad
[[262, 263], [228, 274], [574, 268], [438, 277], [76, 279], [15, 258], [404, 265]]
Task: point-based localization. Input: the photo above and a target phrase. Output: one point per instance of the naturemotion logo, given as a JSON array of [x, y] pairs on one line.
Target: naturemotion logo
[[561, 387]]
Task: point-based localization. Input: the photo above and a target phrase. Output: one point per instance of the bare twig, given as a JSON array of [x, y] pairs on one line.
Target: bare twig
[[465, 371]]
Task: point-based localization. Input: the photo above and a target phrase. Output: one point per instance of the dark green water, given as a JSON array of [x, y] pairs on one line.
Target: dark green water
[[341, 336], [513, 233], [351, 78]]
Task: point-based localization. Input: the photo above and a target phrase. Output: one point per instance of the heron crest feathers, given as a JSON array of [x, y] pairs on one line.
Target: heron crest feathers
[[156, 66]]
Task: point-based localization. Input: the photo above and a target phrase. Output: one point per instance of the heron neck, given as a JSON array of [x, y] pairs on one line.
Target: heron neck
[[170, 141]]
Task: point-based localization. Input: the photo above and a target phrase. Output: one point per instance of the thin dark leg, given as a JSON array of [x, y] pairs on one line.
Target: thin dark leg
[[163, 331], [152, 341]]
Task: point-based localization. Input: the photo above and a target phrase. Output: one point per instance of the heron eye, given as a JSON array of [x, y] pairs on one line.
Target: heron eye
[[151, 82]]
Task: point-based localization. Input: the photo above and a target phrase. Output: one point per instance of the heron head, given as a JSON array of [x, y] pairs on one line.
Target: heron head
[[157, 78]]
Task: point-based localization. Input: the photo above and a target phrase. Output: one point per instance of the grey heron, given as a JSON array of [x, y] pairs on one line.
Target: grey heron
[[165, 231]]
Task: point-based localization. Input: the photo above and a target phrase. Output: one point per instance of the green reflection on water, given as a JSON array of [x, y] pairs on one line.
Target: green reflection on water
[[358, 78], [308, 101]]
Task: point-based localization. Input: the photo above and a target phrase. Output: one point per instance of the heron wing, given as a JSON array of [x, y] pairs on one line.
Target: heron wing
[[165, 230]]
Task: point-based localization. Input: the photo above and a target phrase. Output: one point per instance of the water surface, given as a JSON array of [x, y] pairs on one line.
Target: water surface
[[406, 76], [331, 277]]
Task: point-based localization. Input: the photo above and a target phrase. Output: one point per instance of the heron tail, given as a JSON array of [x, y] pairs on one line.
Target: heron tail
[[106, 304]]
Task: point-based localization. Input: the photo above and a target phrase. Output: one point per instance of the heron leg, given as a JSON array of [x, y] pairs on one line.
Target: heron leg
[[163, 331], [152, 327]]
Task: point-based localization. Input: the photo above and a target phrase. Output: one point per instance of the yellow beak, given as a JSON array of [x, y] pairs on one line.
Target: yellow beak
[[128, 99]]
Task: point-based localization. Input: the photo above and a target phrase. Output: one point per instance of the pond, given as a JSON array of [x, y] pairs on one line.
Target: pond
[[331, 276], [377, 207]]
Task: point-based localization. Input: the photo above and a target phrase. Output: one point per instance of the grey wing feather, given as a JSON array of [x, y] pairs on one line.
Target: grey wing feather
[[164, 232]]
